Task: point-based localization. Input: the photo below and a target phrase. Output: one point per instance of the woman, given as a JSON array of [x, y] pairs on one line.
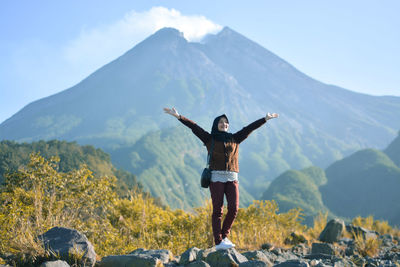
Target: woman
[[224, 169]]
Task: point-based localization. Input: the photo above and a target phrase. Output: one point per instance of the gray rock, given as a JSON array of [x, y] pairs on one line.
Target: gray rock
[[58, 263], [319, 256], [189, 256], [69, 245], [225, 257], [343, 263], [293, 263], [300, 250], [202, 255], [295, 239], [357, 230], [332, 231], [286, 256], [198, 264], [129, 261], [254, 263], [257, 256], [163, 255], [267, 246], [322, 248], [270, 256]]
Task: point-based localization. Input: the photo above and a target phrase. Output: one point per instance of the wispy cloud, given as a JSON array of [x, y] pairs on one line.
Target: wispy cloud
[[95, 47]]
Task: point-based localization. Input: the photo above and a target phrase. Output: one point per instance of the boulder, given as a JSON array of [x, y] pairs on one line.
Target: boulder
[[270, 256], [58, 263], [202, 255], [293, 263], [332, 231], [69, 245], [360, 231], [267, 246], [198, 264], [295, 239], [286, 256], [129, 261], [225, 257], [163, 255], [322, 248], [254, 263], [189, 256], [257, 256]]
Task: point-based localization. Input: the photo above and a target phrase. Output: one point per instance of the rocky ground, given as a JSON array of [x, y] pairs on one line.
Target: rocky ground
[[330, 250]]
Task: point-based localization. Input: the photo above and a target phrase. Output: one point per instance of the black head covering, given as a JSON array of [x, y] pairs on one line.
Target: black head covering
[[217, 134]]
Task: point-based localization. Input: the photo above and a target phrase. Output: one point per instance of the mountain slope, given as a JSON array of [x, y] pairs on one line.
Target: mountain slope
[[365, 183], [72, 157], [294, 189], [121, 104]]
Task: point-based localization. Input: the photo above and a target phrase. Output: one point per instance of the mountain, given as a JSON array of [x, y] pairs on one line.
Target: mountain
[[120, 105], [393, 150], [365, 183], [362, 184], [294, 189]]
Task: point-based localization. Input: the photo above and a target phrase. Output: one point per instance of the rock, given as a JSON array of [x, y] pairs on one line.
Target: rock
[[202, 255], [295, 239], [357, 230], [69, 245], [322, 248], [222, 258], [267, 246], [319, 256], [285, 256], [163, 255], [300, 250], [343, 263], [257, 256], [58, 263], [270, 256], [189, 256], [198, 264], [293, 263], [254, 263], [129, 261], [276, 251], [332, 231]]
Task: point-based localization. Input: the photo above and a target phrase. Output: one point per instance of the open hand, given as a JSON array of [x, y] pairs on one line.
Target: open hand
[[172, 112], [271, 116]]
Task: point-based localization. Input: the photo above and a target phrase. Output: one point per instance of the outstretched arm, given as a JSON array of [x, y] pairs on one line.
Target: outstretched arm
[[197, 130], [246, 131]]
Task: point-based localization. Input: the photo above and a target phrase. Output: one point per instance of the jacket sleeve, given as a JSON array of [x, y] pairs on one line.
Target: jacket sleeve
[[203, 135], [246, 131]]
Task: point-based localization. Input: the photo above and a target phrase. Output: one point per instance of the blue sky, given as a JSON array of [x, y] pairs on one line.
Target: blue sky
[[48, 46]]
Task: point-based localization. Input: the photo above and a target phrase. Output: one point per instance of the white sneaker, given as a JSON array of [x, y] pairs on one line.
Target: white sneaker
[[223, 245], [227, 241]]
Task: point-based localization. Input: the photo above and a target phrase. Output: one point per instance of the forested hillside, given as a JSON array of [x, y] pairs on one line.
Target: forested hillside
[[72, 156], [362, 184]]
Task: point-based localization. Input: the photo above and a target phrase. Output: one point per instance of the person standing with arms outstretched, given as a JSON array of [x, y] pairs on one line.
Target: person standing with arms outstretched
[[224, 167]]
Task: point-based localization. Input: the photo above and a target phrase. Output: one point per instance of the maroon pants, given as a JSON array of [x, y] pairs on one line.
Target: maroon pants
[[218, 190]]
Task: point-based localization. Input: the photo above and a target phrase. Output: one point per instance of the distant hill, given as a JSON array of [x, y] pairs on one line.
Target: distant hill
[[72, 156], [294, 189], [121, 104], [362, 184], [393, 150], [365, 183]]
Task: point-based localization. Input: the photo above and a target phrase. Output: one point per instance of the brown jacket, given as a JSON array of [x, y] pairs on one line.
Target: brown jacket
[[225, 155]]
